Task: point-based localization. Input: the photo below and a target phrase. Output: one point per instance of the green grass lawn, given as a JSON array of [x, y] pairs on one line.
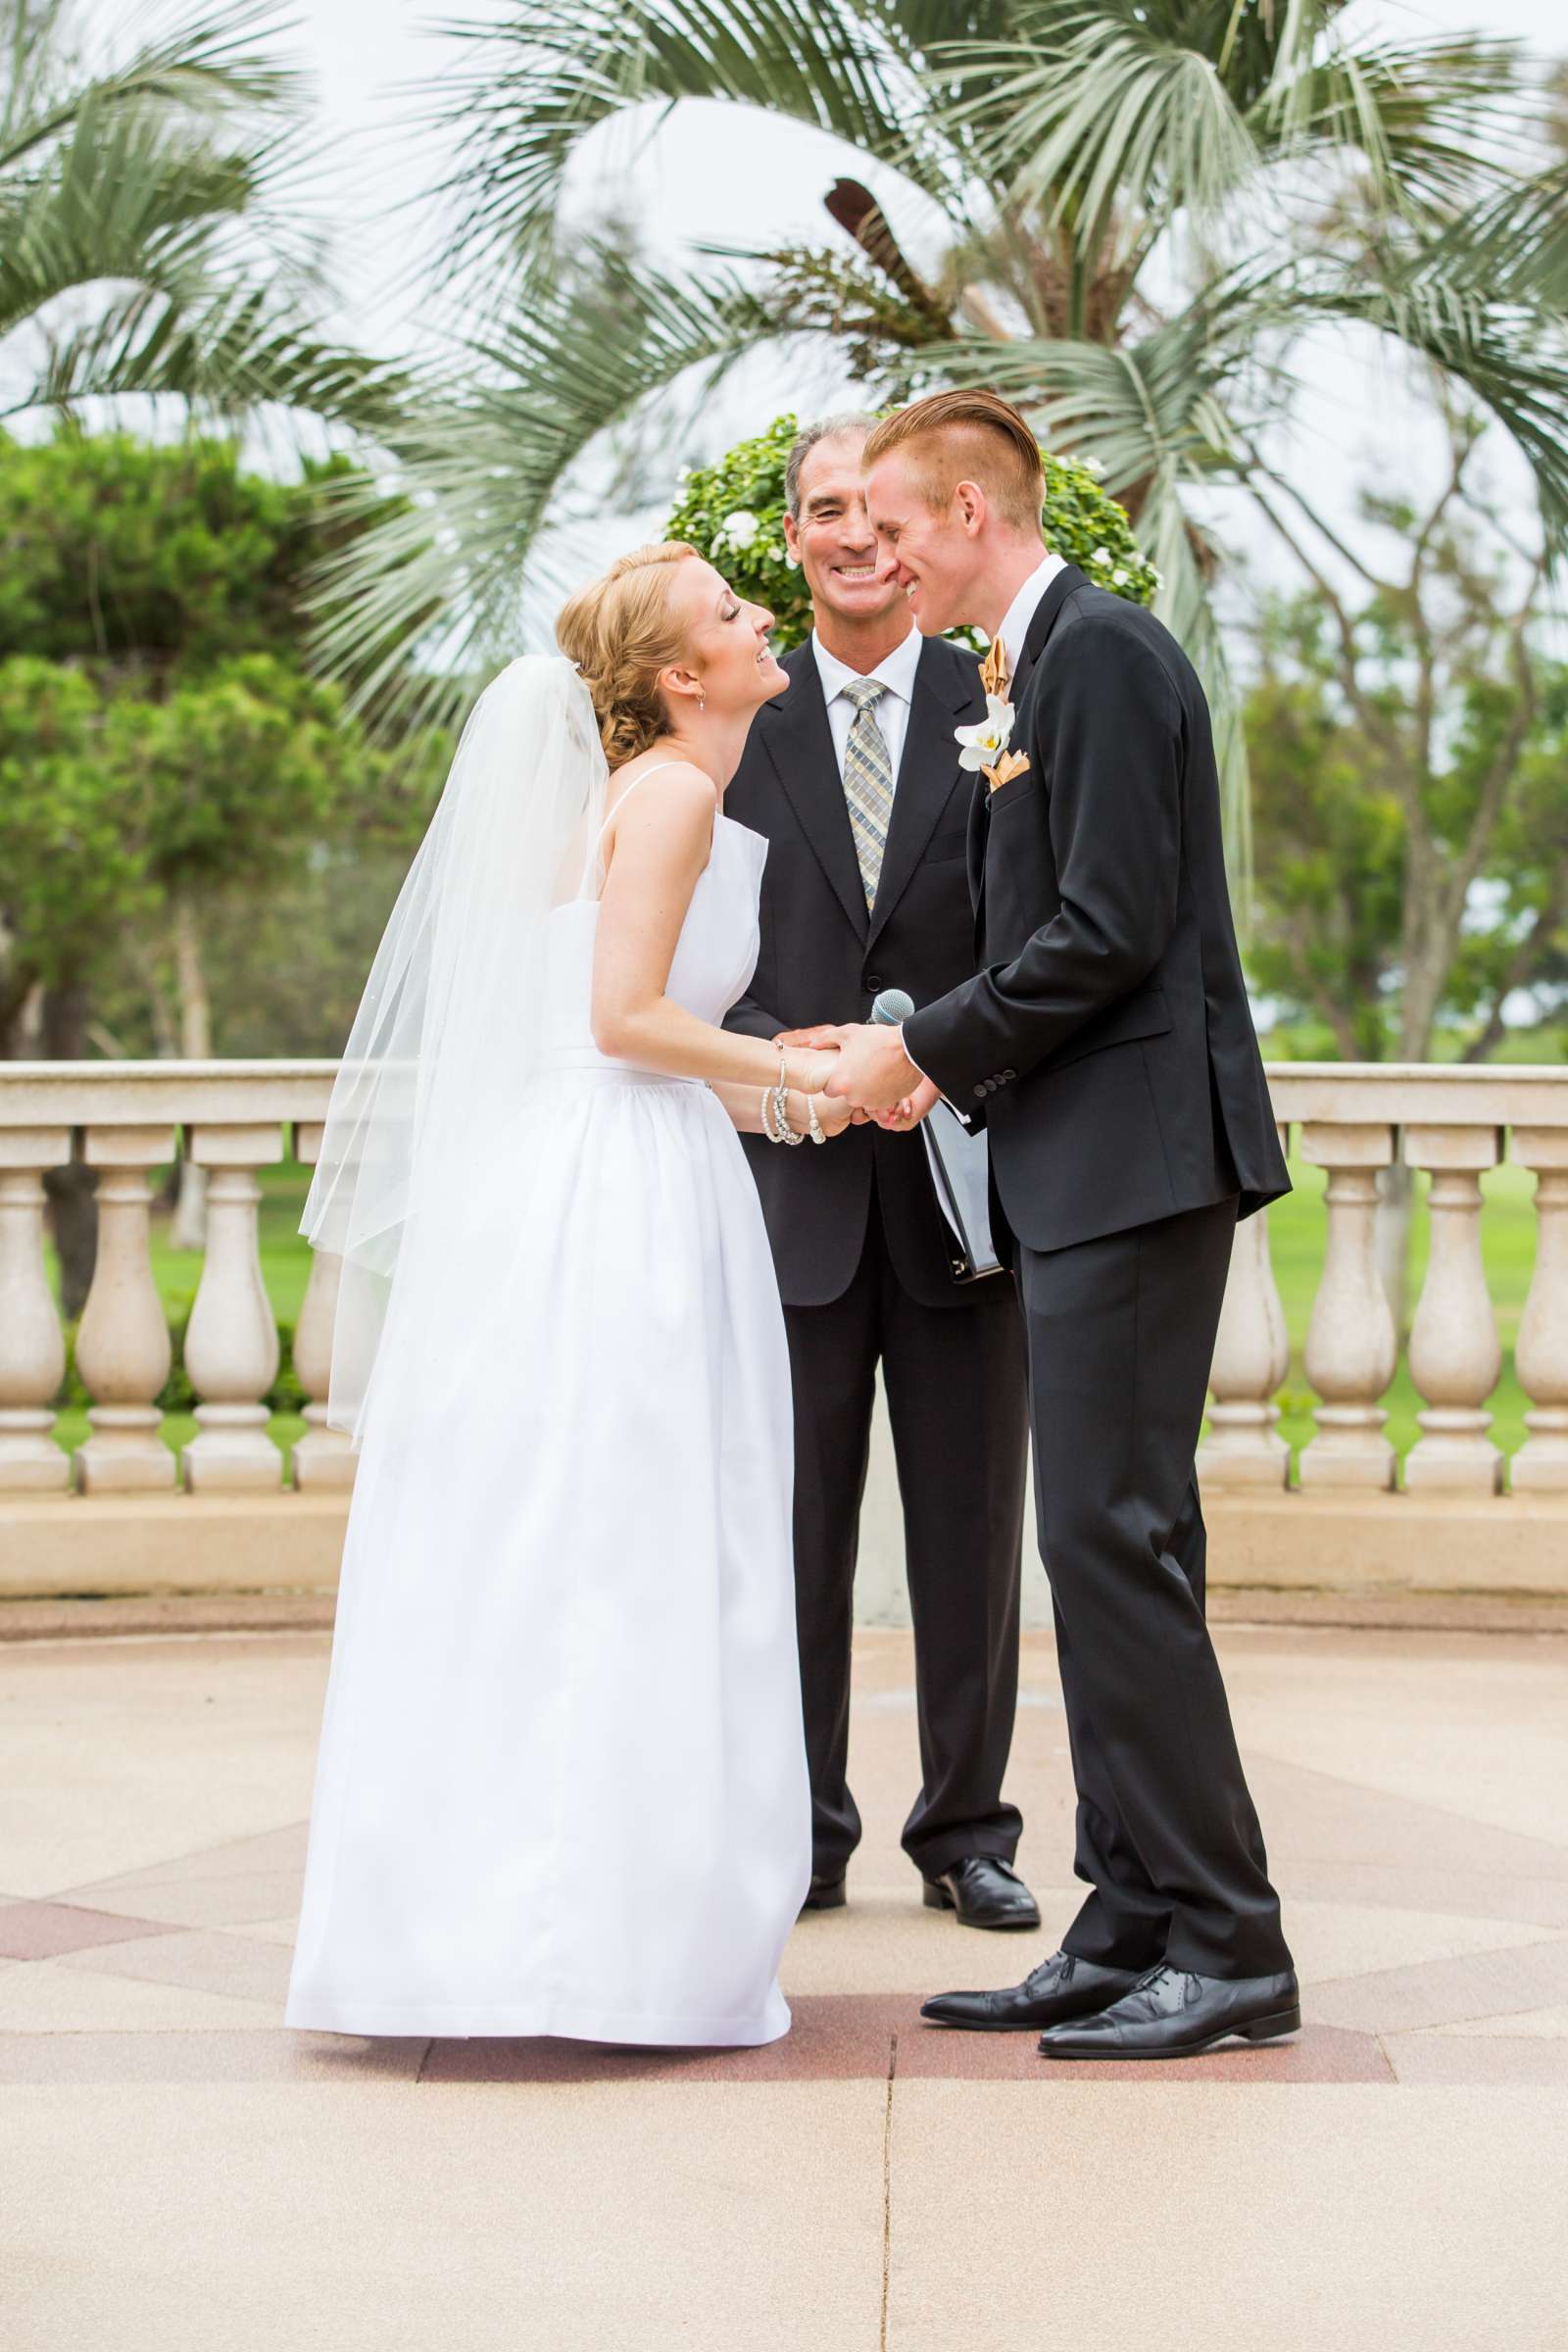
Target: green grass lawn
[[1296, 1233]]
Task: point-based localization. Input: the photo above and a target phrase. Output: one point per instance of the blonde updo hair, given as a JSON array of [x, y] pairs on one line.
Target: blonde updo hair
[[620, 633]]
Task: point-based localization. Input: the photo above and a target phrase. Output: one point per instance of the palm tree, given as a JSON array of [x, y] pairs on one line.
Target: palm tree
[[142, 246], [1142, 204]]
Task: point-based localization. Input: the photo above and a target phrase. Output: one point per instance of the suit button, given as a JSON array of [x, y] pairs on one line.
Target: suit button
[[981, 1090], [1010, 1073], [875, 982]]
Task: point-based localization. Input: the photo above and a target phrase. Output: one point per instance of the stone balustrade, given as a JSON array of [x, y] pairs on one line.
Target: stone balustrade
[[239, 1118], [120, 1118], [1354, 1120]]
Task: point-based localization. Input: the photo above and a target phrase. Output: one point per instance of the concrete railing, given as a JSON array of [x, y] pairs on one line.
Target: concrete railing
[[1355, 1121], [238, 1117], [120, 1118]]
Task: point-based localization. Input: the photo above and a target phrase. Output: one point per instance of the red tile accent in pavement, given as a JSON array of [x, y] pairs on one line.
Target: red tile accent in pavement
[[837, 2035], [1322, 2054], [43, 1930]]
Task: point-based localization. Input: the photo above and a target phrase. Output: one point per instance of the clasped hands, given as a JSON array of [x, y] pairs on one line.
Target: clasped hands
[[870, 1073]]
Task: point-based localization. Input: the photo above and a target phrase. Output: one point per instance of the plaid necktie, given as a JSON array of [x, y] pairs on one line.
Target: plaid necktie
[[868, 781]]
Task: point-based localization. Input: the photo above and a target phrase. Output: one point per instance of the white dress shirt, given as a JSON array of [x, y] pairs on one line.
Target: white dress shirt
[[891, 711], [1021, 611]]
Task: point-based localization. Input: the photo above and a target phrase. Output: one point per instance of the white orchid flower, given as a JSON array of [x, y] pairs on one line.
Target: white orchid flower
[[984, 742]]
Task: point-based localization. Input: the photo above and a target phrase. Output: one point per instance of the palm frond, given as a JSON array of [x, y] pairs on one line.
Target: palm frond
[[120, 199], [1511, 359], [560, 69], [484, 473], [226, 351], [1516, 247], [207, 66], [1101, 108], [1431, 121], [1168, 108]]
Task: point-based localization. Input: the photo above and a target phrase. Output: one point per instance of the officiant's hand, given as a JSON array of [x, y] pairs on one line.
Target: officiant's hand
[[906, 1115]]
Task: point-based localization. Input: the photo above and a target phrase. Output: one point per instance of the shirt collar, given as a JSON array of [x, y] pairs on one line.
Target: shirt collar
[[895, 673], [1021, 611]]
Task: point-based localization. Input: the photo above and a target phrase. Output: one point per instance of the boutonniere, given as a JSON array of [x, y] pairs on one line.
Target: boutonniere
[[983, 747]]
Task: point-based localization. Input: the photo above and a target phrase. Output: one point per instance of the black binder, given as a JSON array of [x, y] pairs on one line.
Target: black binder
[[960, 1164]]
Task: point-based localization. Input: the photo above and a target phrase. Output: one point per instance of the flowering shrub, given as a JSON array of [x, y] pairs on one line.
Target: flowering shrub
[[733, 513]]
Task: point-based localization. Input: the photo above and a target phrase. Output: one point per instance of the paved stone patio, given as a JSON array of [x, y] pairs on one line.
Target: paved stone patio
[[176, 2171]]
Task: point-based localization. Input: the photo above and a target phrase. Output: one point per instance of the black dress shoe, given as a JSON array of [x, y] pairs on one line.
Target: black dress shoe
[[1171, 2013], [985, 1892], [1059, 1989], [824, 1894]]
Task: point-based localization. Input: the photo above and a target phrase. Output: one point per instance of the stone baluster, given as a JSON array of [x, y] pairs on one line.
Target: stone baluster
[[1454, 1354], [122, 1351], [323, 1457], [1541, 1352], [1252, 1356], [1351, 1347], [33, 1346], [231, 1350]]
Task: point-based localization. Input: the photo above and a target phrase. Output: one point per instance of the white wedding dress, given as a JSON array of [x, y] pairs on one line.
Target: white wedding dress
[[562, 1786]]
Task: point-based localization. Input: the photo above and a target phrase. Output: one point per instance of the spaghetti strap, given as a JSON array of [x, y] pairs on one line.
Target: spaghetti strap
[[597, 843]]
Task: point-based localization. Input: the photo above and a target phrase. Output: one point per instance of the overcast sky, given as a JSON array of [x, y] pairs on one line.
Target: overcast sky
[[371, 64]]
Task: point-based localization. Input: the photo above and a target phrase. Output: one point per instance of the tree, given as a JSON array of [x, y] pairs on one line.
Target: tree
[[1142, 205], [148, 243], [1411, 756], [162, 744]]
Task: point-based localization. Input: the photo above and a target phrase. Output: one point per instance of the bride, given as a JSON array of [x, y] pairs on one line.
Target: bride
[[561, 1786]]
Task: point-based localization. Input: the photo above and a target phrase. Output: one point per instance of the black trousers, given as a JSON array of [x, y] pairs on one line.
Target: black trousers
[[1120, 1336], [958, 1403]]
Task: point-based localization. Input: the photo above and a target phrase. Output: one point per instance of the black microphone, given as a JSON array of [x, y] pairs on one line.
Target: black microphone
[[893, 1005]]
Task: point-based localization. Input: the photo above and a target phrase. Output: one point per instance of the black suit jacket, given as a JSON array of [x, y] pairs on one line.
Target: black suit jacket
[[1107, 1038], [823, 958]]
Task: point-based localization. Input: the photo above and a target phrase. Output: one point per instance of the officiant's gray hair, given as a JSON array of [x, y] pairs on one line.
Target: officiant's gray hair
[[847, 423]]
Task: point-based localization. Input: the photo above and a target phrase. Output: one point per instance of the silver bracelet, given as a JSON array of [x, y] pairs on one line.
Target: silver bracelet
[[787, 1134]]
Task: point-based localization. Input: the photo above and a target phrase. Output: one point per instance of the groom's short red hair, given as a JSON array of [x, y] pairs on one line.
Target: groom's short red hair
[[968, 436]]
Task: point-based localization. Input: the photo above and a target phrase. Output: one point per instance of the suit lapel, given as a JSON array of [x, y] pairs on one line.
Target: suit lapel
[[799, 744], [1042, 622], [928, 771]]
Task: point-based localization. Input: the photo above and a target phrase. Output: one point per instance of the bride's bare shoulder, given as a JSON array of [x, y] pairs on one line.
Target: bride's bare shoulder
[[665, 791]]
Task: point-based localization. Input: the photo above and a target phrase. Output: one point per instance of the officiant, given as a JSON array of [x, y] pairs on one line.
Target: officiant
[[853, 778]]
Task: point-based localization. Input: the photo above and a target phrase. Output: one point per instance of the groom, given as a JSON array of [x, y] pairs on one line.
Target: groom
[[1106, 1042]]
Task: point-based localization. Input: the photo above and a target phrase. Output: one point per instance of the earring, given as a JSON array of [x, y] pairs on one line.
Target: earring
[[702, 701]]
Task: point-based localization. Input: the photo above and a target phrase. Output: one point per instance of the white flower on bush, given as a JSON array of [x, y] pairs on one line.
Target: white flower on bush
[[738, 530], [1100, 556], [1095, 466], [1120, 576], [984, 742]]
